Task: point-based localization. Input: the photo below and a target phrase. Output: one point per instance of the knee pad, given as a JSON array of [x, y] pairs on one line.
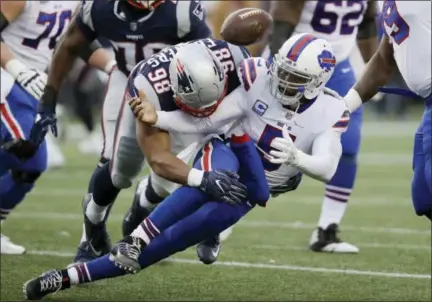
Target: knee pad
[[151, 194], [25, 177], [127, 162]]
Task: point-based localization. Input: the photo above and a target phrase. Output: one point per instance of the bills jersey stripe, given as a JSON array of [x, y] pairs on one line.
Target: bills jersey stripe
[[252, 70], [299, 46], [341, 124]]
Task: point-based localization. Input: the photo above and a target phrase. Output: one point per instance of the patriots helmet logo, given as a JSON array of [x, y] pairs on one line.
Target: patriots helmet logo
[[184, 82], [326, 60]]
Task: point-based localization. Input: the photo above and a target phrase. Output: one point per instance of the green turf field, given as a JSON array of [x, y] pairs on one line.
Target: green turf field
[[266, 257]]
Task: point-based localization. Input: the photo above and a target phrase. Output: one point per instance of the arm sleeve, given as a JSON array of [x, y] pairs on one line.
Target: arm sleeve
[[84, 20], [191, 23], [326, 152], [231, 109]]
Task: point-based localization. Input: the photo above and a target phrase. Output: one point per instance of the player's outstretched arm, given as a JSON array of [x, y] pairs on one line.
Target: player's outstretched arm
[[286, 15], [377, 73], [231, 109], [367, 36]]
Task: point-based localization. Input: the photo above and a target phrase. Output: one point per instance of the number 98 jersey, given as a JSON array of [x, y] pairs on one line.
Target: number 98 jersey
[[334, 21], [153, 78]]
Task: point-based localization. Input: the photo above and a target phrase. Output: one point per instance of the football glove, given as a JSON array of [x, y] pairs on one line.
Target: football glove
[[46, 118], [224, 186], [285, 151], [290, 185]]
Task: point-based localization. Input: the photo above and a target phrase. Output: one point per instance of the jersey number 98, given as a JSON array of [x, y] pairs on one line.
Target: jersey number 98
[[159, 80]]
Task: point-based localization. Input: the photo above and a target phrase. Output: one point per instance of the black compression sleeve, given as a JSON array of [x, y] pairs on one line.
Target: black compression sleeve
[[282, 31], [3, 22], [86, 52]]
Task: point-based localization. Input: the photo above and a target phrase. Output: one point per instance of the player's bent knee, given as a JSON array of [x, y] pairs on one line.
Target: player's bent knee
[[25, 177]]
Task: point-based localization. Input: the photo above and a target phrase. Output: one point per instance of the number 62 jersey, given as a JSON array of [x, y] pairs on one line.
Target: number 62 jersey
[[334, 21]]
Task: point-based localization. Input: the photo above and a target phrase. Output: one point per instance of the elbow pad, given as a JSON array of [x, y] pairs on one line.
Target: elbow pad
[[282, 31]]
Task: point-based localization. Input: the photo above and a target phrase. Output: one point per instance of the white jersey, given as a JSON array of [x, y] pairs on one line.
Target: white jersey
[[334, 21], [266, 117], [263, 117], [408, 26], [33, 35]]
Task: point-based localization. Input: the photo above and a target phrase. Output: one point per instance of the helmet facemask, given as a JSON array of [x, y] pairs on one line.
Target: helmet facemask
[[290, 85]]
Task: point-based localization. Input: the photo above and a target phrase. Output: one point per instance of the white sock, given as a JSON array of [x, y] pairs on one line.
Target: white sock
[[334, 206], [139, 232], [143, 199], [73, 276], [95, 213]]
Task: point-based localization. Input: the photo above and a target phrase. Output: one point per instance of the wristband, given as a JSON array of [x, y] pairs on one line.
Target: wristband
[[195, 177], [353, 100], [14, 67]]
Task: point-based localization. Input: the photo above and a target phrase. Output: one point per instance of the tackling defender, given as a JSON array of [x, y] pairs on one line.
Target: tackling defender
[[407, 46], [343, 24], [198, 84], [29, 33], [290, 93], [137, 29]]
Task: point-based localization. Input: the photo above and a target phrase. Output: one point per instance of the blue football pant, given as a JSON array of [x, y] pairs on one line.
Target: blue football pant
[[18, 177], [421, 186]]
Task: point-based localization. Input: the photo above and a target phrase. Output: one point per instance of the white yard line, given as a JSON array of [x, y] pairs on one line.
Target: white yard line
[[243, 223], [293, 247], [269, 266], [378, 200]]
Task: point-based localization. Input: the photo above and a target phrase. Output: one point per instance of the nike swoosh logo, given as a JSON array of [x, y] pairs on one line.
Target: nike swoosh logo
[[219, 185], [128, 217], [216, 252], [97, 253]]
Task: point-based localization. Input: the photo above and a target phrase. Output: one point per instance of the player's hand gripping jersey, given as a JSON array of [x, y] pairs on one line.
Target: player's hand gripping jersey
[[315, 128], [171, 23]]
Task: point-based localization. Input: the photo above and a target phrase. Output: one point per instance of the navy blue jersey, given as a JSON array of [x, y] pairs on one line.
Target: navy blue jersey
[[153, 76], [137, 35]]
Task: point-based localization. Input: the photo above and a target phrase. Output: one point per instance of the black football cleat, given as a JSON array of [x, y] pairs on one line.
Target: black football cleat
[[98, 242], [208, 250], [47, 283], [136, 213], [328, 241]]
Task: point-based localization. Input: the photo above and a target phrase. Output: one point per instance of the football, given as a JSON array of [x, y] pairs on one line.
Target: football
[[246, 26]]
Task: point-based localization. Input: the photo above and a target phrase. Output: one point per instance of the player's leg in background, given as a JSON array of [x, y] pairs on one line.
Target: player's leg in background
[[101, 191], [17, 117], [421, 186], [338, 189]]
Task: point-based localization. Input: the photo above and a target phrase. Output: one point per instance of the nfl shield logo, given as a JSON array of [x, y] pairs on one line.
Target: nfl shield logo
[[289, 115], [133, 26]]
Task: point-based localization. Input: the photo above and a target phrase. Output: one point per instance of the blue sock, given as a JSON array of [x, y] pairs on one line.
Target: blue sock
[[100, 268], [339, 188], [11, 194]]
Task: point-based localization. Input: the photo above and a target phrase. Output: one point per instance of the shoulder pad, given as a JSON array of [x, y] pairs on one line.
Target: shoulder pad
[[250, 69]]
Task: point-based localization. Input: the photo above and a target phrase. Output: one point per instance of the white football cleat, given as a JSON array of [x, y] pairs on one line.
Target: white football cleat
[[10, 248], [328, 241]]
